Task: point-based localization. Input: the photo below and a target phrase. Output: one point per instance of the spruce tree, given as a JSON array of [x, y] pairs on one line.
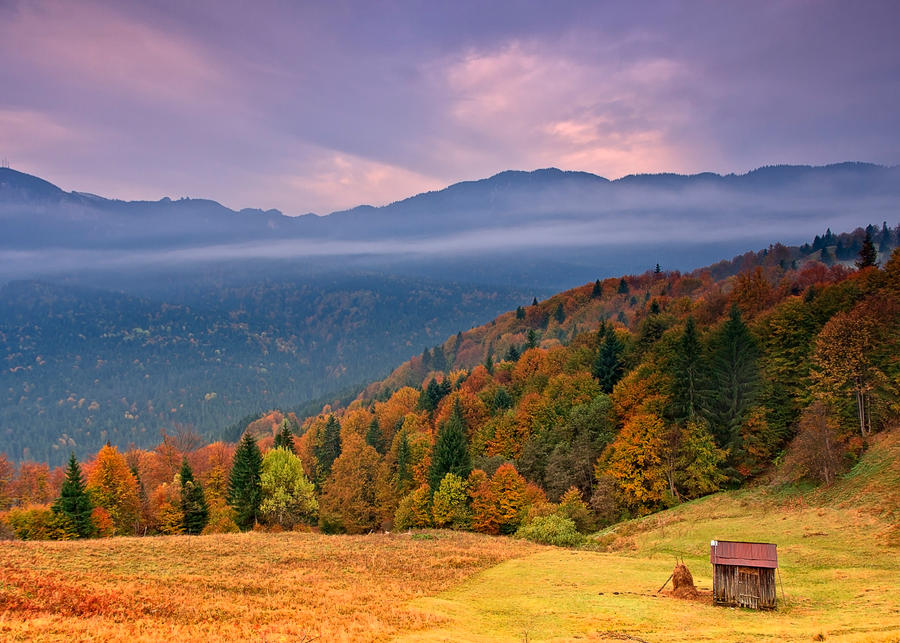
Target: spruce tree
[[734, 381], [534, 302], [244, 491], [531, 341], [867, 254], [404, 475], [74, 502], [559, 314], [489, 364], [687, 371], [328, 449], [623, 286], [439, 360], [512, 354], [374, 437], [451, 452], [520, 312], [284, 439], [609, 366], [597, 291], [194, 509]]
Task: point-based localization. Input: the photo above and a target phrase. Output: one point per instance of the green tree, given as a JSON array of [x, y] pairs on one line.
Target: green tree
[[449, 506], [194, 509], [327, 449], [597, 291], [244, 489], [867, 254], [520, 312], [284, 439], [288, 497], [531, 341], [623, 287], [609, 366], [734, 381], [559, 314], [74, 502], [451, 453], [374, 436], [687, 373]]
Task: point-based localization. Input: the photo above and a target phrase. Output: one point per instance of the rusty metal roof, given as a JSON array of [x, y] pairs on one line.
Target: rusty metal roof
[[729, 552]]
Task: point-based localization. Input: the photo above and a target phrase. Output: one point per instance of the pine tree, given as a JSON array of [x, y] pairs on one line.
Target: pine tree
[[439, 360], [534, 302], [559, 314], [328, 449], [867, 254], [597, 291], [489, 364], [512, 354], [193, 501], [520, 312], [623, 286], [451, 453], [609, 366], [734, 381], [531, 341], [74, 503], [374, 437], [657, 270], [244, 493], [687, 370], [284, 439], [403, 478]]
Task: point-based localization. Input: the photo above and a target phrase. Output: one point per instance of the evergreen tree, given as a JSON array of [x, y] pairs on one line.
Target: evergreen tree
[[426, 359], [489, 363], [867, 254], [451, 453], [657, 270], [734, 381], [520, 312], [597, 291], [531, 341], [559, 314], [374, 437], [687, 370], [609, 366], [244, 493], [512, 355], [328, 448], [284, 439], [623, 286], [439, 360], [403, 479], [74, 502], [193, 501], [534, 302]]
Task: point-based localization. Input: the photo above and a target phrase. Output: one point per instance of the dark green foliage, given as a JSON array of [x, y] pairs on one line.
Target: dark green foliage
[[502, 400], [74, 502], [531, 341], [520, 312], [559, 314], [431, 396], [734, 381], [489, 363], [404, 475], [374, 436], [193, 502], [244, 491], [439, 360], [512, 355], [657, 270], [451, 451], [597, 291], [867, 253], [609, 366], [687, 373], [623, 287], [534, 302], [284, 439], [327, 449]]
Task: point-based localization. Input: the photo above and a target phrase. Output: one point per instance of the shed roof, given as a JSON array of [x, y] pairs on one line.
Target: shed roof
[[729, 552]]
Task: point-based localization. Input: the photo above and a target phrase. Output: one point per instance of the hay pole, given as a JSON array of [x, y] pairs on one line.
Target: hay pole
[[666, 583]]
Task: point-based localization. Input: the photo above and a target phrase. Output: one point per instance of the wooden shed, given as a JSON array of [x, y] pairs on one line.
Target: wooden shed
[[744, 573]]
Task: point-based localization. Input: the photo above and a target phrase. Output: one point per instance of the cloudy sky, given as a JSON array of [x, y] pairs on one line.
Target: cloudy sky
[[307, 106]]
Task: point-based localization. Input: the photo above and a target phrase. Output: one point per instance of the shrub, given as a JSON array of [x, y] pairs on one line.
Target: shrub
[[414, 510], [551, 530], [40, 523]]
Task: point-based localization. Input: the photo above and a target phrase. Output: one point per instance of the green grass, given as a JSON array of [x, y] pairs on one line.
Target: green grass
[[839, 568]]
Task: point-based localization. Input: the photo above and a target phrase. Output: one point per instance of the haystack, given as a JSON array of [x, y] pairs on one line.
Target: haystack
[[683, 582]]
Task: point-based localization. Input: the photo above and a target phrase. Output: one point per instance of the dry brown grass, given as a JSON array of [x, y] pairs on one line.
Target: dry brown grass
[[270, 587]]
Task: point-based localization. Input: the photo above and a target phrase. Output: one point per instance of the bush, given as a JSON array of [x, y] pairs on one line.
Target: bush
[[40, 523], [551, 530]]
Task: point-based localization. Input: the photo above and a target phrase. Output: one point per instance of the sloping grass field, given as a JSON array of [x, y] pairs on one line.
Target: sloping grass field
[[839, 553]]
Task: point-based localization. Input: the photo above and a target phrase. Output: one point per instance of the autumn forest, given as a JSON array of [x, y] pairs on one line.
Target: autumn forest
[[611, 400]]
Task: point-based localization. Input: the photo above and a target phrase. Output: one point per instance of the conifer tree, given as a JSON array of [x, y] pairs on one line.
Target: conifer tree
[[512, 355], [559, 314], [597, 291], [687, 371], [74, 502], [531, 341], [374, 437], [534, 302], [867, 254], [284, 439], [489, 363], [328, 449], [403, 478], [451, 453], [439, 360], [609, 366], [194, 509], [520, 312], [623, 286], [244, 492]]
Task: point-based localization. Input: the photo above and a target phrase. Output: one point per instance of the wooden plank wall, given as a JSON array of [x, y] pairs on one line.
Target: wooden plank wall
[[752, 587]]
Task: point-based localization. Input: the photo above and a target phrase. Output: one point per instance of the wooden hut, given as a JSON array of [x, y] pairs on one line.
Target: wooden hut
[[744, 573]]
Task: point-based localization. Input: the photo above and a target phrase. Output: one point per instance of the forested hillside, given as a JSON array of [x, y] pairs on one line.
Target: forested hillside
[[614, 399], [85, 366]]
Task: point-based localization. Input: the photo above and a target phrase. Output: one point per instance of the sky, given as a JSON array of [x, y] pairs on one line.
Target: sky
[[315, 107]]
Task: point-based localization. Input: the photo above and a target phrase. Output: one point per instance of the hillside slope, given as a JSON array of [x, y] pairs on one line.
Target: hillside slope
[[837, 550]]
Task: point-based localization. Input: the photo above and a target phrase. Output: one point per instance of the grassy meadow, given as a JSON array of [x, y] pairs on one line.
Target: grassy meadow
[[839, 554]]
